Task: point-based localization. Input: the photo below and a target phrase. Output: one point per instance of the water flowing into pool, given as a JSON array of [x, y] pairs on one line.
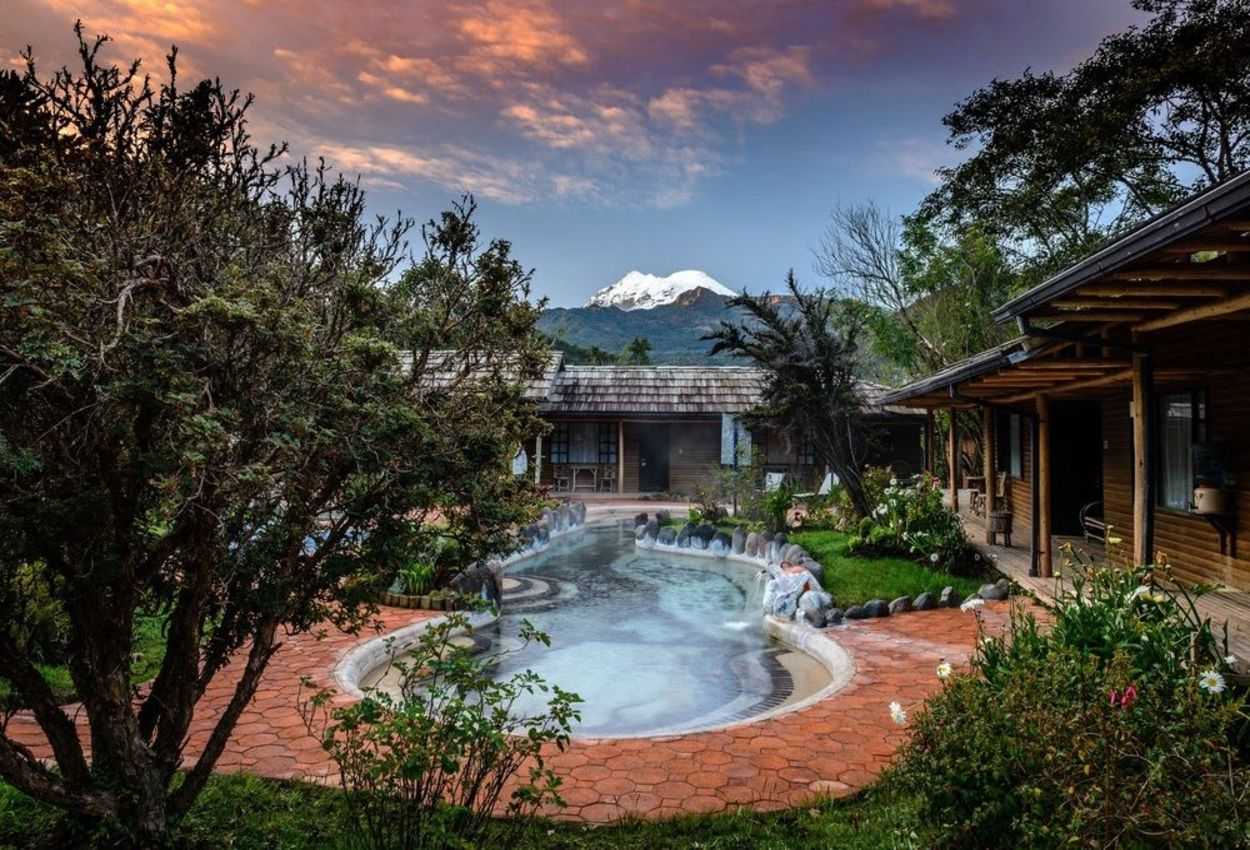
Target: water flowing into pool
[[652, 641]]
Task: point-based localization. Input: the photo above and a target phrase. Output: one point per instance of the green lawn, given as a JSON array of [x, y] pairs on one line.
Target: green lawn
[[149, 651], [246, 813], [853, 580]]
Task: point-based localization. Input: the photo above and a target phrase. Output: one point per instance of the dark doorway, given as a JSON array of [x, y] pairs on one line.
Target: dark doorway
[[653, 458], [1076, 462]]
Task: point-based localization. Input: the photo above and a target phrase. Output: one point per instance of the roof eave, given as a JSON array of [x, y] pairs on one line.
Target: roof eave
[[1191, 216]]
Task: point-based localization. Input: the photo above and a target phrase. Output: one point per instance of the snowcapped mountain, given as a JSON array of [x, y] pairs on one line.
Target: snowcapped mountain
[[639, 291]]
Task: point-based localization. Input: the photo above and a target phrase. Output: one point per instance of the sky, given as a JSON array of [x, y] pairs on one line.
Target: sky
[[601, 136]]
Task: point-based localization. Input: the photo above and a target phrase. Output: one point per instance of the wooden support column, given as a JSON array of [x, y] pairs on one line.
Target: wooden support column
[[538, 460], [1045, 566], [1143, 513], [954, 460], [930, 438], [988, 458], [620, 456]]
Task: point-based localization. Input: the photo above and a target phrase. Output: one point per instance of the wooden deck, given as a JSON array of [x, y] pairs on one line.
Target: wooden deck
[[1231, 607]]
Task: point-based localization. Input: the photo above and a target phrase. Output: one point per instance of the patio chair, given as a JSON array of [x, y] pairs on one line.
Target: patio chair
[[607, 480], [560, 479], [999, 511], [1093, 525]]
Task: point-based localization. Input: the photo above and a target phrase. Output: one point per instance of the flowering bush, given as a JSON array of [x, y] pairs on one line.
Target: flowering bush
[[1121, 725], [431, 768], [910, 519]]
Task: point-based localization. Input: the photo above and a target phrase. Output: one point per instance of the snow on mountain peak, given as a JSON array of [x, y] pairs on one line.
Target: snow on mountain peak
[[639, 291]]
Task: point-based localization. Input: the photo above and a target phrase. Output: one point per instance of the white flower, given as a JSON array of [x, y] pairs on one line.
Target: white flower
[[933, 559], [881, 510], [893, 482], [944, 670], [1211, 682], [1230, 660], [897, 714], [972, 604]]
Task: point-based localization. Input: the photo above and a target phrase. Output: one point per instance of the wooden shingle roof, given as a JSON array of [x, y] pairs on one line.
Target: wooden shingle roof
[[650, 390]]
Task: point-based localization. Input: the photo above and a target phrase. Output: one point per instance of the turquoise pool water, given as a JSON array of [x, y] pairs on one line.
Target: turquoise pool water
[[652, 641]]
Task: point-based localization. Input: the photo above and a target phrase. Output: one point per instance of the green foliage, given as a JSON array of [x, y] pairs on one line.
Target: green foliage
[[929, 291], [417, 578], [853, 579], [637, 353], [810, 352], [775, 507], [428, 769], [1095, 732], [225, 402], [243, 812], [911, 519], [706, 505], [1063, 160]]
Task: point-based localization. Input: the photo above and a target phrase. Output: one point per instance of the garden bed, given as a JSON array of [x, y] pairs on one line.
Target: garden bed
[[853, 579]]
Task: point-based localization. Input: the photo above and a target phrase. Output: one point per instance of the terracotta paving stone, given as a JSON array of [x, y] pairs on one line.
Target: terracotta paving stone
[[832, 748]]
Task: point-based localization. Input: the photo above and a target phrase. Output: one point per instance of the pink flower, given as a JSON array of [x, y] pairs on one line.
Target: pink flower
[[1122, 700]]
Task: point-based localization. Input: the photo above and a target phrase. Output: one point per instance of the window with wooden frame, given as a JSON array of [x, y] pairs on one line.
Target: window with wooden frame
[[1182, 425], [607, 442], [560, 443], [806, 451], [1009, 443]]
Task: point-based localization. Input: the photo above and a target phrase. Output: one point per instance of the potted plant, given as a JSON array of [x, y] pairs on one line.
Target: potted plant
[[1213, 485]]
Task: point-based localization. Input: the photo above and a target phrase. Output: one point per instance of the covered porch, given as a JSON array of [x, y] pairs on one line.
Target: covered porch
[[1127, 393], [1223, 606]]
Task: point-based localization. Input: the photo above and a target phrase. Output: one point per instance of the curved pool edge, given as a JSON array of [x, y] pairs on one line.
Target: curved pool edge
[[368, 655]]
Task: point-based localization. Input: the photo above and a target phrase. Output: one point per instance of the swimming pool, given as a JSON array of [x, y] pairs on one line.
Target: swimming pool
[[653, 642]]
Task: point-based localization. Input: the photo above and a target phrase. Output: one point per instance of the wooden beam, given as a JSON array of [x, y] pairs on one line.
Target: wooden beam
[[1194, 314], [1152, 291], [1042, 470], [620, 455], [1092, 383], [1113, 304], [930, 453], [538, 460], [1140, 412], [987, 458], [1231, 246], [1065, 365], [1089, 316], [1184, 272], [953, 461]]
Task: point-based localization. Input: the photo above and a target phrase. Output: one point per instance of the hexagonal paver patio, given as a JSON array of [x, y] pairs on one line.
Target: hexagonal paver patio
[[832, 748]]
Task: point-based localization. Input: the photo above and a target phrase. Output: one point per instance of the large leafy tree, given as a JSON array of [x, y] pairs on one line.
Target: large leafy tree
[[1062, 161], [219, 401], [929, 293], [809, 349]]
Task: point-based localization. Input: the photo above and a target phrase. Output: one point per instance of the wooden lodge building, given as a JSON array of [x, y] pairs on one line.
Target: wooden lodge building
[[1126, 397], [669, 429]]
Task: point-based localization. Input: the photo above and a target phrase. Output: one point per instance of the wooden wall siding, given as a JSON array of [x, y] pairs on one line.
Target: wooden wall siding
[[1191, 544], [1117, 476], [694, 455]]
